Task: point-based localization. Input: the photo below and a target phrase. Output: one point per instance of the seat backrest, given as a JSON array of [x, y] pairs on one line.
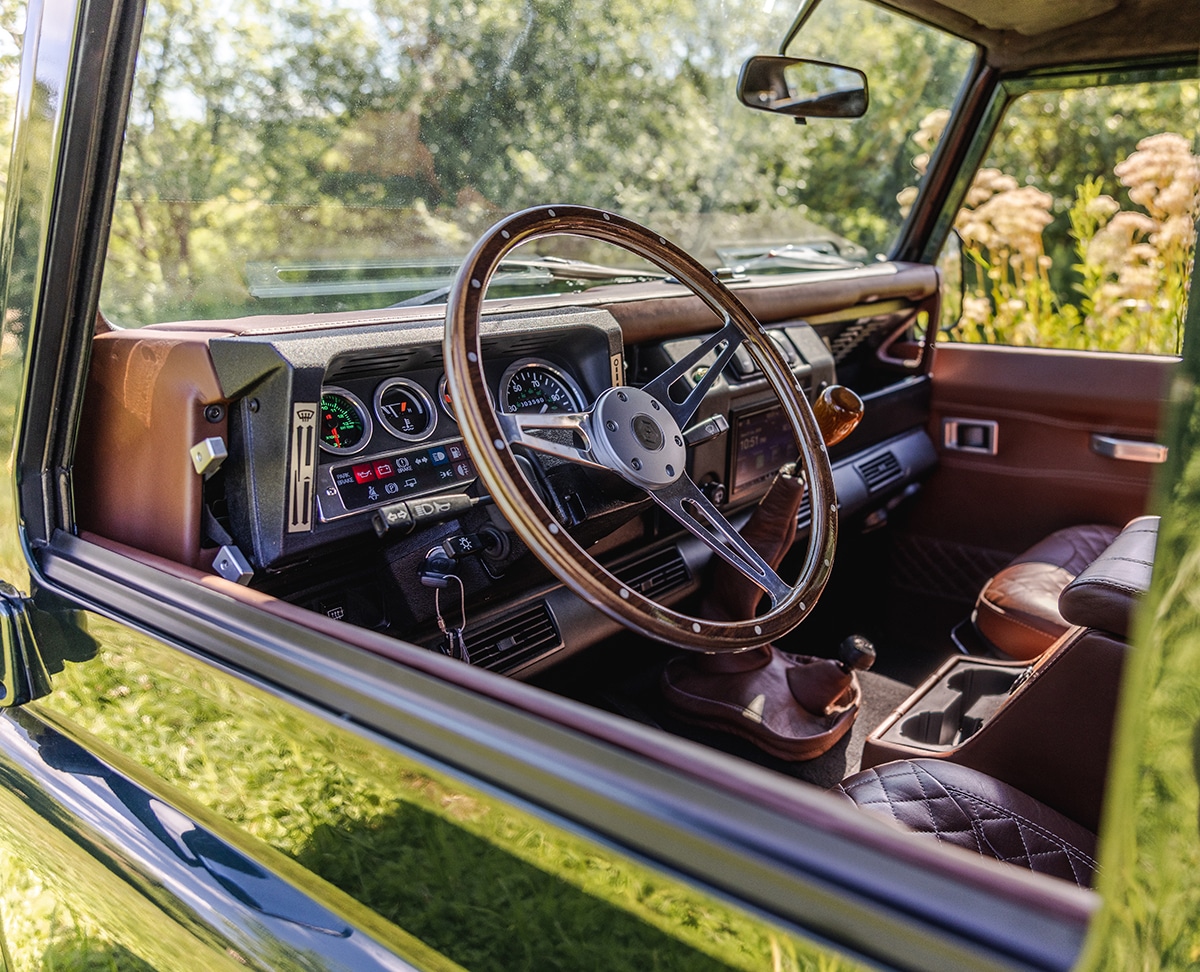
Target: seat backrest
[[1107, 591]]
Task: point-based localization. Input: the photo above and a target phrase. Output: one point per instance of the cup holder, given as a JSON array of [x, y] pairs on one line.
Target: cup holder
[[956, 707]]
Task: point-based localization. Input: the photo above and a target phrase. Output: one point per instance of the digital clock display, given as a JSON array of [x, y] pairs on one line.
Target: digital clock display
[[762, 442]]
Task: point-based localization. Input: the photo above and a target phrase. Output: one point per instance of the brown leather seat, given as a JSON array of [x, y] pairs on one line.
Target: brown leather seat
[[1017, 610], [962, 806], [1051, 736]]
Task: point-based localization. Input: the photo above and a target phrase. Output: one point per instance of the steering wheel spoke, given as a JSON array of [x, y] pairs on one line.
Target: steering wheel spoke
[[725, 342], [685, 502], [518, 426]]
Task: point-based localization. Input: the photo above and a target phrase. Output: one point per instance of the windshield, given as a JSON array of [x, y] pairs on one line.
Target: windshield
[[327, 155]]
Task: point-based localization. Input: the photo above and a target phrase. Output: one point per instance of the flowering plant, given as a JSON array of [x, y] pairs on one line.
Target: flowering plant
[[1131, 279]]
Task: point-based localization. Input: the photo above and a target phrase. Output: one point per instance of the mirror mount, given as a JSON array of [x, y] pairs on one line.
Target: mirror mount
[[802, 88]]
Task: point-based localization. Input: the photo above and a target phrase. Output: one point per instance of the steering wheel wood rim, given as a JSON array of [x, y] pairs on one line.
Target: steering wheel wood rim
[[489, 437]]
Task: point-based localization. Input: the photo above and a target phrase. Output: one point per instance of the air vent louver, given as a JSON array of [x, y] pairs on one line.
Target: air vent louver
[[880, 470], [656, 574], [502, 644], [804, 514], [531, 343], [381, 362], [850, 337]]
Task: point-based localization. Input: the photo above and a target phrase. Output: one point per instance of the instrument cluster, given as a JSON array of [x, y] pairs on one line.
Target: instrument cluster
[[405, 443]]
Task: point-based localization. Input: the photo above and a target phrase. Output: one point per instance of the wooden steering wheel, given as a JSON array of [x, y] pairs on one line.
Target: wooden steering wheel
[[635, 432]]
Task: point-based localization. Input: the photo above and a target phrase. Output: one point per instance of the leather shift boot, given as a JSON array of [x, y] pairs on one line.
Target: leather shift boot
[[794, 707]]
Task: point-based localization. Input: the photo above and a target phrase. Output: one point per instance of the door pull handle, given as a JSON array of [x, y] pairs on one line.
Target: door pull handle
[[1130, 450]]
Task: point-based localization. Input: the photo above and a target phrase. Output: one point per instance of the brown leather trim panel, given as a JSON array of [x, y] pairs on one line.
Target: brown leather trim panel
[[1045, 475], [1051, 738], [143, 411]]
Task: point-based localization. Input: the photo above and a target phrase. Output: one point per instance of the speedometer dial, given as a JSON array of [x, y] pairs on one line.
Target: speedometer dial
[[533, 385], [345, 424]]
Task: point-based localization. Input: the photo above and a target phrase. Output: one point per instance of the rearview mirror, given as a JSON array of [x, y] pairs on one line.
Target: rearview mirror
[[802, 88]]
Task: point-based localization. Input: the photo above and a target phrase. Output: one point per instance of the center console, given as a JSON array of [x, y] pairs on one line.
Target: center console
[[1044, 727], [948, 709]]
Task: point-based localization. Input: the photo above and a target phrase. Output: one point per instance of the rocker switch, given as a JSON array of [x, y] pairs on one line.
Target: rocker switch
[[468, 545]]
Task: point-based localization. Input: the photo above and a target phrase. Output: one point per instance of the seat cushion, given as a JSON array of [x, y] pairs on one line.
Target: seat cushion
[[1017, 610], [961, 806]]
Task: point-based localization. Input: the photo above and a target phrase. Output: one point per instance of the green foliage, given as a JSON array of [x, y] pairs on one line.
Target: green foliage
[[1101, 260], [1150, 918], [387, 129], [485, 883]]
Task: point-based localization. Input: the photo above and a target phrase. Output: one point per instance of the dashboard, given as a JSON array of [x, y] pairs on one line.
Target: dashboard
[[329, 429]]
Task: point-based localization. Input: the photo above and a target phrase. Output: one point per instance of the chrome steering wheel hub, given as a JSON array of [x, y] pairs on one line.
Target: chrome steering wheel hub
[[637, 438]]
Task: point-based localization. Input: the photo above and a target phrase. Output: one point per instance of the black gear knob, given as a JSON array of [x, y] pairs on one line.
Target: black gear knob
[[856, 653]]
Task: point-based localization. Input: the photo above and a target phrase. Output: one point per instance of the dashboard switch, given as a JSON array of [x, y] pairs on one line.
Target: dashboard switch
[[463, 545], [207, 456], [488, 541], [406, 515]]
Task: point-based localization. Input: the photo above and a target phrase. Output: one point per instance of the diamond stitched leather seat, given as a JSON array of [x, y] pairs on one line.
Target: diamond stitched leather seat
[[961, 806]]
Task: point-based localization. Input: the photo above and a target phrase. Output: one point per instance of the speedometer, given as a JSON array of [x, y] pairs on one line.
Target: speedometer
[[533, 385]]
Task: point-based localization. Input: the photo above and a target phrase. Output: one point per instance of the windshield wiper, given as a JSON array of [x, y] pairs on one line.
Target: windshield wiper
[[429, 280], [810, 255]]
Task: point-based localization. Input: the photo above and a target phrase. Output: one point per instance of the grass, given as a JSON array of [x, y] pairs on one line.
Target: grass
[[486, 884], [1151, 851]]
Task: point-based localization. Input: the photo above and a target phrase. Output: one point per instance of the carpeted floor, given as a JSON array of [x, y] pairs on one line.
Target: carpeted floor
[[880, 696]]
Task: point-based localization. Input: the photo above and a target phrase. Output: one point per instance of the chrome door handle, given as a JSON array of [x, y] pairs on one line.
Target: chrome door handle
[[1130, 450]]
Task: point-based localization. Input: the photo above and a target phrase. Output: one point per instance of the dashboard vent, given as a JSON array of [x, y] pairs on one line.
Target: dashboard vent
[[850, 337], [804, 514], [655, 574], [506, 642], [514, 346], [377, 363], [880, 470]]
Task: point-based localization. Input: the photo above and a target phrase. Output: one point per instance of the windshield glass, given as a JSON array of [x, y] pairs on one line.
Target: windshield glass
[[327, 155]]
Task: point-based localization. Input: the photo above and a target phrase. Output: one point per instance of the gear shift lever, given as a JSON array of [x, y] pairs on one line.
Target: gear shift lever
[[822, 683], [856, 654]]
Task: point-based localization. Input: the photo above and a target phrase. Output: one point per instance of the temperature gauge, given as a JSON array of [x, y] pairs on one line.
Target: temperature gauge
[[345, 424], [405, 409]]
